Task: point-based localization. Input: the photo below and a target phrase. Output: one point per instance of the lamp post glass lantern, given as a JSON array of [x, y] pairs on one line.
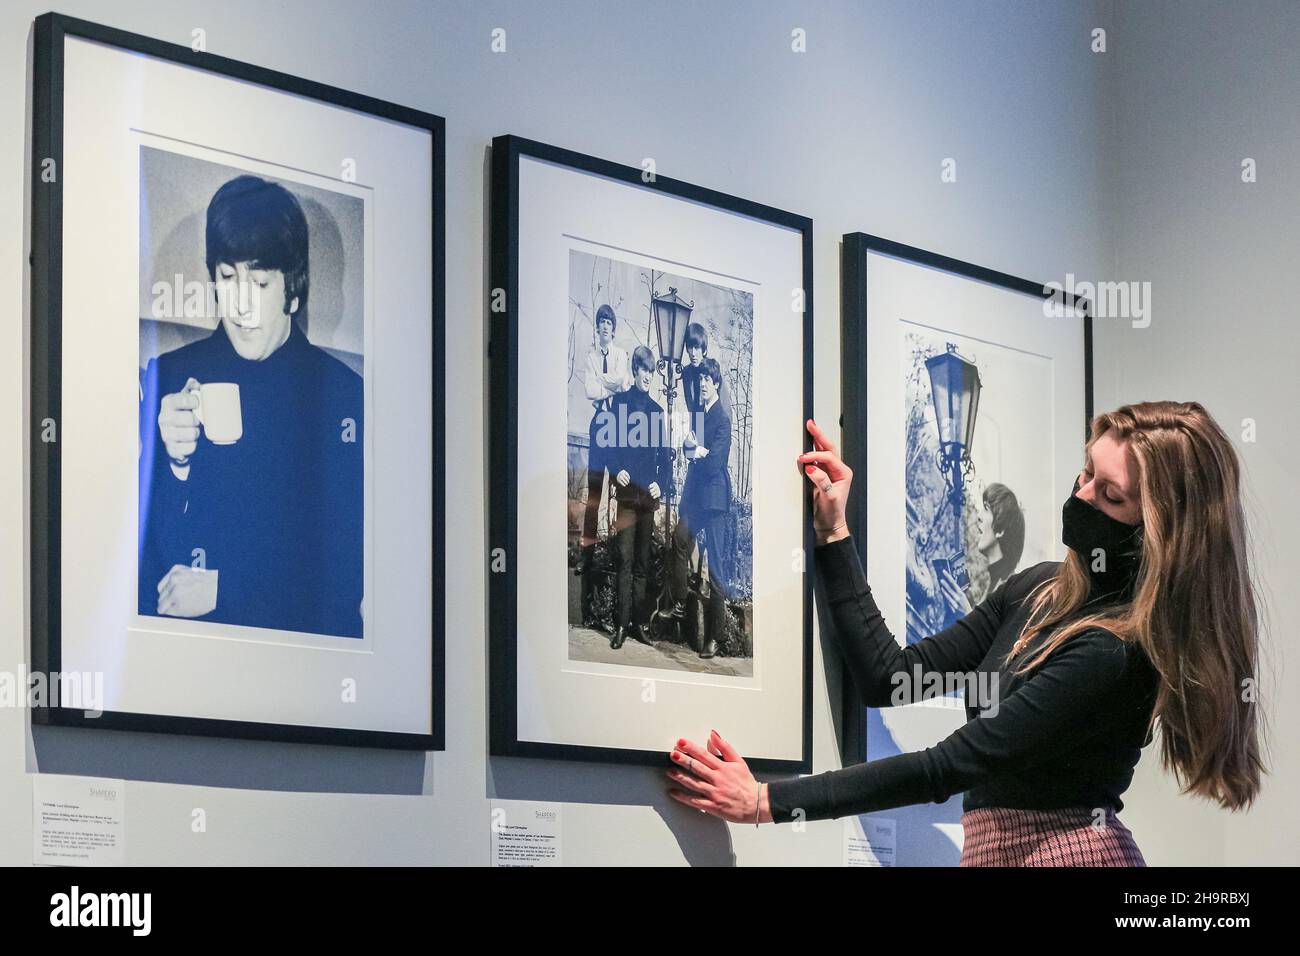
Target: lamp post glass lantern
[[955, 392], [672, 315]]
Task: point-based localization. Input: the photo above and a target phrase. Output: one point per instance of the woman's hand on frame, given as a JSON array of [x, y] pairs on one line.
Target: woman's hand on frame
[[716, 780]]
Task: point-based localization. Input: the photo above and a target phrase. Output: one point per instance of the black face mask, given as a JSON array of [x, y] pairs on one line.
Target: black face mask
[[1109, 548]]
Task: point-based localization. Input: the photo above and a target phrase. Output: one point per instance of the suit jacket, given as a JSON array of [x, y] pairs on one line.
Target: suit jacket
[[691, 388], [707, 492], [640, 446]]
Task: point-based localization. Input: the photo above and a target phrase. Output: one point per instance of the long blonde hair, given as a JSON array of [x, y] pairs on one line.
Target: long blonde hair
[[1193, 608]]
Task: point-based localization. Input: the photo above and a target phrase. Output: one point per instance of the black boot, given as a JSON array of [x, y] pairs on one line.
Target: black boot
[[619, 637], [710, 648]]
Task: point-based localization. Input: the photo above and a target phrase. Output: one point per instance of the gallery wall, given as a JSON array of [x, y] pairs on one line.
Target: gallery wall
[[851, 132], [1200, 88]]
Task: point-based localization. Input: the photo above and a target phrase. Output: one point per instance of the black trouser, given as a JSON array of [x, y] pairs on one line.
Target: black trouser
[[683, 541], [635, 535]]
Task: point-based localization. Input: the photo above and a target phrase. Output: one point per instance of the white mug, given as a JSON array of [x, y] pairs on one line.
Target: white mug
[[218, 412]]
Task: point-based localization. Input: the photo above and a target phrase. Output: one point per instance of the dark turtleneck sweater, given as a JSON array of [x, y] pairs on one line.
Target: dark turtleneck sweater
[[1067, 734], [279, 513]]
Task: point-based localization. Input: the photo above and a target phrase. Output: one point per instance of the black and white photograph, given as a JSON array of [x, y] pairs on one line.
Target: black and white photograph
[[660, 465], [252, 409], [979, 504], [649, 364], [983, 394], [238, 388]]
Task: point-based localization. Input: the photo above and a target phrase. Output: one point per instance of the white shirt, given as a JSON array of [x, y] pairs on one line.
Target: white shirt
[[601, 384]]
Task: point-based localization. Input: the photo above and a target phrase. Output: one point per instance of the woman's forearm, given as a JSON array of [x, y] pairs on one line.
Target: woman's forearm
[[897, 781], [884, 673], [871, 653]]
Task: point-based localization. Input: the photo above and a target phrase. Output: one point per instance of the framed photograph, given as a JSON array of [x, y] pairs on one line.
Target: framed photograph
[[966, 394], [236, 398], [651, 350]]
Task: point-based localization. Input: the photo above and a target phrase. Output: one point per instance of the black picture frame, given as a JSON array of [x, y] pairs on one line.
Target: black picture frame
[[50, 31], [503, 458], [853, 398]]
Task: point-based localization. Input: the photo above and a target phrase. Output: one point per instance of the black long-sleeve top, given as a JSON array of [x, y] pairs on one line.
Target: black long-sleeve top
[[1068, 734]]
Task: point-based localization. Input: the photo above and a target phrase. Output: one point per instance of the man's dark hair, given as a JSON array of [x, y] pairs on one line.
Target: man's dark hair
[[713, 370], [606, 312], [260, 222], [642, 357], [697, 337], [1010, 520]]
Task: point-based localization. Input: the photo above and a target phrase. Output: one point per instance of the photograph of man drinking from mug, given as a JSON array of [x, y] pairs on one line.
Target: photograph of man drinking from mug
[[251, 508]]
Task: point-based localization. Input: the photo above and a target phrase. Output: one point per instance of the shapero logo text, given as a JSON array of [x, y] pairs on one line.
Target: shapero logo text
[[102, 909]]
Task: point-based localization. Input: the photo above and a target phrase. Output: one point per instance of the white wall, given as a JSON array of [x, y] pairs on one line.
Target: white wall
[[851, 133], [1198, 88]]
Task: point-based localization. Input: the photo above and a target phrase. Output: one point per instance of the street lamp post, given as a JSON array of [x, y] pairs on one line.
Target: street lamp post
[[955, 392], [672, 314]]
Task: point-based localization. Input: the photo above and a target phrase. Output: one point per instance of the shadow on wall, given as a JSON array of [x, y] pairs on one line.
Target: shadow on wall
[[222, 762]]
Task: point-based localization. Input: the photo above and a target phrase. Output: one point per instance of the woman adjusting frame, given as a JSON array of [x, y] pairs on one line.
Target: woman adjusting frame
[[1149, 622]]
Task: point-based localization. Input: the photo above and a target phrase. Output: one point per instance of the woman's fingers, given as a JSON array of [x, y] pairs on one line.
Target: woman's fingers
[[817, 477], [694, 758], [829, 461], [690, 782], [728, 752], [681, 796], [820, 441]]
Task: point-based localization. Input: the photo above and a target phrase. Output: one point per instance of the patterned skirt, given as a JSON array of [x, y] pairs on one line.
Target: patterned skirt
[[1073, 836]]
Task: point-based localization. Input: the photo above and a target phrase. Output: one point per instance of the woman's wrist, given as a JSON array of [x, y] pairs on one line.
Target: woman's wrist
[[837, 532]]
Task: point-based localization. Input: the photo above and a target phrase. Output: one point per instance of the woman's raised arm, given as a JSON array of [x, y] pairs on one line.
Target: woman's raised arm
[[884, 673]]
